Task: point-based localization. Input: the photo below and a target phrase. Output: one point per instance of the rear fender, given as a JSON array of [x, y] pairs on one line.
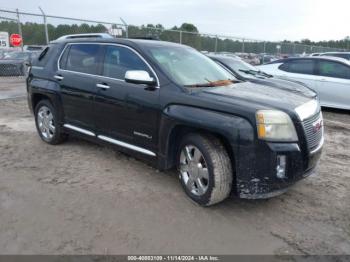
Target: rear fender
[[45, 89]]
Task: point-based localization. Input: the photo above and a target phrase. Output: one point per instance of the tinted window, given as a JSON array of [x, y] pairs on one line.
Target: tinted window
[[299, 66], [118, 60], [43, 53], [41, 58], [63, 60], [333, 69], [83, 58]]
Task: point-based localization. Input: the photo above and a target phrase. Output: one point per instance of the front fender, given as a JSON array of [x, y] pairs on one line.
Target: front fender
[[236, 130]]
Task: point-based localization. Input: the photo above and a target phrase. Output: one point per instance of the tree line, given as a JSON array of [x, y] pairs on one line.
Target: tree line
[[34, 34]]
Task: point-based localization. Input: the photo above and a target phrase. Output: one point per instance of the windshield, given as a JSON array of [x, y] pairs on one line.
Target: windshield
[[239, 65], [243, 68], [17, 55], [189, 67]]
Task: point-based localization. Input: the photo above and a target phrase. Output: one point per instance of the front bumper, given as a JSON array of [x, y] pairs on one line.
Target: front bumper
[[260, 179]]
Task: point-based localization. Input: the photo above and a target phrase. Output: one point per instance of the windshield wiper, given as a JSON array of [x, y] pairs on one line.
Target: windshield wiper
[[249, 72], [265, 74], [255, 72], [213, 83]]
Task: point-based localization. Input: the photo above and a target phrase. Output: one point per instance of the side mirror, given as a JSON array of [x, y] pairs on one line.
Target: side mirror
[[139, 77]]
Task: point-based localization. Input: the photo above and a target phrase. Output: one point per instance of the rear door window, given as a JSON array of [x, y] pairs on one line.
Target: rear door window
[[82, 58], [333, 69], [302, 66]]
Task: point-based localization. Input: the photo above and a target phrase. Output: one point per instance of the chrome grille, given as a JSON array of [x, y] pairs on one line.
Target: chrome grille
[[313, 128]]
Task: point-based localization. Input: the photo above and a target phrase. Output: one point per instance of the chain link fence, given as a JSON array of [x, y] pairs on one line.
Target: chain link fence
[[38, 29]]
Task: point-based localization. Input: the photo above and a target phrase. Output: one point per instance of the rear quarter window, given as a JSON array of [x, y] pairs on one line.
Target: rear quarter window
[[41, 59], [333, 69]]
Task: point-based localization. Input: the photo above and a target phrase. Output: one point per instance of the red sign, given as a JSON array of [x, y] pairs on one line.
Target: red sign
[[16, 40]]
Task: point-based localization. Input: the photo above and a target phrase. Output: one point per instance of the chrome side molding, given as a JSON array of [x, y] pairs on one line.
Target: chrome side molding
[[80, 130], [126, 145], [110, 140]]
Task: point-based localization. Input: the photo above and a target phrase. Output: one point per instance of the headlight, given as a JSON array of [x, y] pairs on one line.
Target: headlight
[[274, 125]]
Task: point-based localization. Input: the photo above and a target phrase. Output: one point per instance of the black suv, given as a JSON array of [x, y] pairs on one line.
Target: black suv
[[172, 106]]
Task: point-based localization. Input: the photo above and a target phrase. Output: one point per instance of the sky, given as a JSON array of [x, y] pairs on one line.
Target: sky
[[271, 20]]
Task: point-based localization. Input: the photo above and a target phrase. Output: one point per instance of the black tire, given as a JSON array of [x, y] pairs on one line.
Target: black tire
[[57, 136], [216, 161]]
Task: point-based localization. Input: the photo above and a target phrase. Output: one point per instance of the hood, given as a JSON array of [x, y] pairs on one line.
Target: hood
[[285, 84], [259, 95]]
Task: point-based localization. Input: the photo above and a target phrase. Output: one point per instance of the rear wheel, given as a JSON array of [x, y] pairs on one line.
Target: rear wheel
[[47, 123], [205, 169]]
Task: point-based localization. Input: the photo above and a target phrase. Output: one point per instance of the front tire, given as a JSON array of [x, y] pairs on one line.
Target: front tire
[[47, 123], [205, 169]]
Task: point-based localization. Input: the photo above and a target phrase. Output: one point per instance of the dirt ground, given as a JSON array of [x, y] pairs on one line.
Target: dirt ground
[[12, 87], [81, 198]]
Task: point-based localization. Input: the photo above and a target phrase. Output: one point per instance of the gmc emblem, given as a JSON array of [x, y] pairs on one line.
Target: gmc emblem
[[317, 125]]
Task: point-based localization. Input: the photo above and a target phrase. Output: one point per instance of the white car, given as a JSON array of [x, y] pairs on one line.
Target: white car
[[345, 55], [328, 76]]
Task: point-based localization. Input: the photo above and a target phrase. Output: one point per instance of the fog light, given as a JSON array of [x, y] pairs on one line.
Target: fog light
[[281, 167]]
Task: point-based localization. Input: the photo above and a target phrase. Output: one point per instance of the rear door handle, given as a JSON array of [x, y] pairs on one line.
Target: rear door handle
[[58, 77], [103, 86]]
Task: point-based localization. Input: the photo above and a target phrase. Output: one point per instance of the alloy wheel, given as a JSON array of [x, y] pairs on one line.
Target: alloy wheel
[[46, 123], [194, 170]]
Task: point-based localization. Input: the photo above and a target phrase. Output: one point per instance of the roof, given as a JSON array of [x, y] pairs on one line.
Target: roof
[[125, 41], [328, 58], [336, 53]]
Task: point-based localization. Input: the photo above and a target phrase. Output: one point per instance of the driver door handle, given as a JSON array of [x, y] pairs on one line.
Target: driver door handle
[[103, 86]]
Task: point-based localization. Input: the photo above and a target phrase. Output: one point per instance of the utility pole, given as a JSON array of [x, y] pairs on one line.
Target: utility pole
[[45, 24], [19, 27], [216, 43], [293, 48], [126, 27]]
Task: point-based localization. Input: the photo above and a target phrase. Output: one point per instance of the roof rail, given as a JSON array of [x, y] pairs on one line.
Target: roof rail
[[89, 35]]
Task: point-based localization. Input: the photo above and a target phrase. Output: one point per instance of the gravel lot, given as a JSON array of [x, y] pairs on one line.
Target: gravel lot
[[81, 198]]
